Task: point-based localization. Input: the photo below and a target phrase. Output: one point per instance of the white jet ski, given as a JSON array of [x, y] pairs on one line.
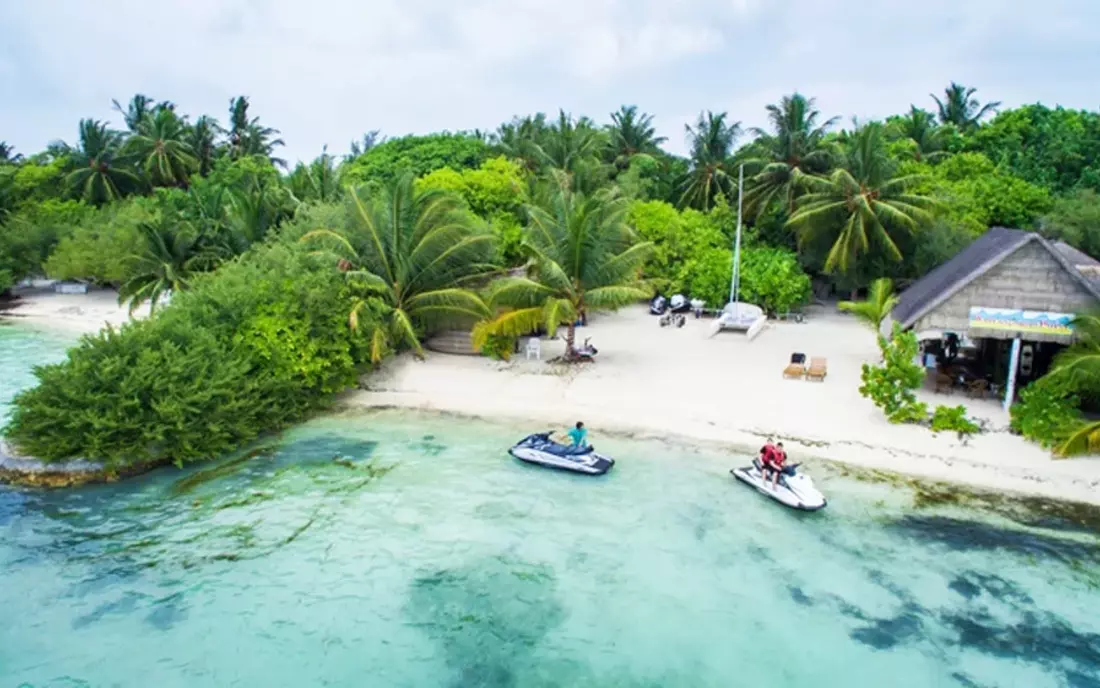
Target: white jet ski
[[794, 489], [540, 449]]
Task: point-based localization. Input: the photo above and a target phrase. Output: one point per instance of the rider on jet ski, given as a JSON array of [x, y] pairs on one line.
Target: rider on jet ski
[[772, 460]]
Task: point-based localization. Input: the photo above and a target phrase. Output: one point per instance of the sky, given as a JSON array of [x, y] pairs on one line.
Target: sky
[[325, 71]]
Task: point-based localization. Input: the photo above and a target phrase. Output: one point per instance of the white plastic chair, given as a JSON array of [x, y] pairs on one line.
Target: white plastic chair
[[533, 349]]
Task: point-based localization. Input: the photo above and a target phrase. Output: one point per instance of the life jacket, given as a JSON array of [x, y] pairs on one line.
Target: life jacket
[[769, 454]]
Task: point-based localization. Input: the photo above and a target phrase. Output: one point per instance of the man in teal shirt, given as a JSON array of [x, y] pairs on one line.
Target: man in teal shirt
[[579, 435]]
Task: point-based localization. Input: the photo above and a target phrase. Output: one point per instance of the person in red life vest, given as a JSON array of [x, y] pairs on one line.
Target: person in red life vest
[[772, 460]]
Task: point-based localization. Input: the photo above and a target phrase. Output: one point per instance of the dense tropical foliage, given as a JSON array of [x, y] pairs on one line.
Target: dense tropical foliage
[[416, 251], [584, 257], [407, 234]]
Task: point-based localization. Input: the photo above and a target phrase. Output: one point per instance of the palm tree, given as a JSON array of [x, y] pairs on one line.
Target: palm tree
[[1078, 368], [317, 181], [257, 205], [161, 150], [173, 255], [859, 205], [584, 257], [97, 178], [521, 139], [417, 251], [711, 141], [632, 134], [779, 159], [569, 144], [139, 107], [8, 156], [881, 300], [920, 127], [370, 139], [961, 108], [248, 137], [202, 136]]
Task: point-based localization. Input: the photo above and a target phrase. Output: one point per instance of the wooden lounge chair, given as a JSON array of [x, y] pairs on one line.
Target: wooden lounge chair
[[944, 383], [818, 369], [794, 370], [797, 366], [977, 389]]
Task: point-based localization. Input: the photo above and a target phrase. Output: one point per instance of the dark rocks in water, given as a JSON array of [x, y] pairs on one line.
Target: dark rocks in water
[[970, 584], [964, 587], [1076, 680], [329, 447], [799, 597], [221, 470], [884, 634], [964, 680], [167, 612], [1038, 638], [961, 535], [123, 605], [488, 617]]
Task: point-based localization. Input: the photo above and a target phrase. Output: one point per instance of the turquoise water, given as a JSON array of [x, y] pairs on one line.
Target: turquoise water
[[22, 348], [396, 549]]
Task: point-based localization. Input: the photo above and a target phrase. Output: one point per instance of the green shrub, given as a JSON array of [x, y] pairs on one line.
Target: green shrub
[[773, 279], [101, 247], [891, 384], [7, 280], [499, 347], [953, 419], [692, 256], [1046, 412], [249, 349]]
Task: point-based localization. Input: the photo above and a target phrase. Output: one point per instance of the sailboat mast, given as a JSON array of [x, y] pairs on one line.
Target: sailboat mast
[[736, 278]]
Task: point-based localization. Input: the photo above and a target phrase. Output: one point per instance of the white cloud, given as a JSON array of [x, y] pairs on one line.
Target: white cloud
[[323, 71]]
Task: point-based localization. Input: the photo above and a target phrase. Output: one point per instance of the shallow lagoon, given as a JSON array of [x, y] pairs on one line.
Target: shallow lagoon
[[397, 549]]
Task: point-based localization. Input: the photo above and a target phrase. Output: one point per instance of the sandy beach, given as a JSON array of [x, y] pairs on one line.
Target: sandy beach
[[86, 313], [669, 383], [678, 383]]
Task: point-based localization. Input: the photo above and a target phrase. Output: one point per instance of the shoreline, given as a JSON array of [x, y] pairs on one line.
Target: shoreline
[[656, 384], [857, 457], [73, 314]]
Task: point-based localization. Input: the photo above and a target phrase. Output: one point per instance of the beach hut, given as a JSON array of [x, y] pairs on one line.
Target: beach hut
[[1008, 298]]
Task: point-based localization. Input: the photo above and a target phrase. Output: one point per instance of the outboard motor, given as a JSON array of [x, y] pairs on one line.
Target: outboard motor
[[658, 305]]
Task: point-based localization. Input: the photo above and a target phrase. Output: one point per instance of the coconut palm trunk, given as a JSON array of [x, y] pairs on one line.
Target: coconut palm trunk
[[571, 340]]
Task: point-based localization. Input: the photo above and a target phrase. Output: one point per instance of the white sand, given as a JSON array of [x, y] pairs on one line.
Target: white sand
[[676, 382], [76, 313]]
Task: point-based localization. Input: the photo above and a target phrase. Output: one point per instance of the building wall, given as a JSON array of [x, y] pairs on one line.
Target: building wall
[[1029, 279]]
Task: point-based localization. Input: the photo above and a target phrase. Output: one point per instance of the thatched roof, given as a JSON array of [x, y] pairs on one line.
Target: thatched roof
[[978, 258]]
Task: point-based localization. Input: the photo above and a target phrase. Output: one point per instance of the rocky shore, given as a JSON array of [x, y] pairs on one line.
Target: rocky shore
[[19, 469]]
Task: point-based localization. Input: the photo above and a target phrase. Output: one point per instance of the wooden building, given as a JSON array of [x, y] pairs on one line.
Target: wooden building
[[1012, 293]]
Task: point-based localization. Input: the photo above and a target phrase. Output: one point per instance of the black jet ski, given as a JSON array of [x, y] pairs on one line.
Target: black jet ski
[[540, 449], [658, 305], [794, 489]]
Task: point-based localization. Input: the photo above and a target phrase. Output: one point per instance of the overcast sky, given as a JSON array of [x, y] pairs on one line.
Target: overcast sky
[[324, 71]]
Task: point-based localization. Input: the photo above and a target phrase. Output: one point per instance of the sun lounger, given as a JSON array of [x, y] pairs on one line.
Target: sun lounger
[[818, 369], [797, 367]]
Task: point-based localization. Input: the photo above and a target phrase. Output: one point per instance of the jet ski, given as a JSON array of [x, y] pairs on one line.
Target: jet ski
[[658, 305], [794, 489], [679, 304], [540, 449]]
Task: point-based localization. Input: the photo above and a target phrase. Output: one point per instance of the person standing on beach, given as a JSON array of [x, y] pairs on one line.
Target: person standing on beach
[[579, 435]]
